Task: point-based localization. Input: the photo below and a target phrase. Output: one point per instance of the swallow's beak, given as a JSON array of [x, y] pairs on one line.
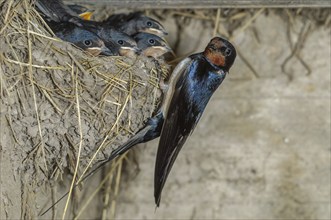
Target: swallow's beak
[[167, 49], [86, 15], [129, 51], [106, 51], [134, 49], [158, 32], [170, 50], [156, 51]]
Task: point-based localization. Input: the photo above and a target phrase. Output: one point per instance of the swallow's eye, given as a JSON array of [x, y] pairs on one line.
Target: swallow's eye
[[212, 47], [88, 43], [151, 41], [226, 51], [149, 23], [120, 42]]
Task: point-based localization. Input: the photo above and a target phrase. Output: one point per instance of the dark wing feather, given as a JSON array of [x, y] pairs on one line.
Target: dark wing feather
[[180, 120], [54, 10], [119, 19]]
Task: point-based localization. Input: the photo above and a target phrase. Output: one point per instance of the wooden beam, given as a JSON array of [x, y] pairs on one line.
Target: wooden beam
[[210, 3]]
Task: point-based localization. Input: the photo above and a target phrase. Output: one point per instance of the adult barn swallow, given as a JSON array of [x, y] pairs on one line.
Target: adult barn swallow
[[195, 79], [151, 45], [136, 22]]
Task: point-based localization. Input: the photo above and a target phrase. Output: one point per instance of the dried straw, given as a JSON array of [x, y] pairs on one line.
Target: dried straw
[[65, 108]]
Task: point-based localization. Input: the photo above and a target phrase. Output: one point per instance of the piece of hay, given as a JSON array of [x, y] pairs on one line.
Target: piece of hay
[[61, 107]]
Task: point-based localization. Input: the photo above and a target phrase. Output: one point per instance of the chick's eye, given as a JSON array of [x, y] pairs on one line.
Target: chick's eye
[[88, 43], [149, 24], [120, 42], [151, 41]]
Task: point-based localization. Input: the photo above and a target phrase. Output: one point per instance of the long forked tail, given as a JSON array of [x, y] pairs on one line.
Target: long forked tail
[[151, 131]]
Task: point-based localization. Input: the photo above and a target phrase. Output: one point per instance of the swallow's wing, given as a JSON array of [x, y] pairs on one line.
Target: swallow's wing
[[181, 118], [54, 10]]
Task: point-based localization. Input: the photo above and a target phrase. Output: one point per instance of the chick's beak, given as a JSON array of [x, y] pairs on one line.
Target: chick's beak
[[136, 50], [170, 50], [158, 32], [129, 51], [106, 51]]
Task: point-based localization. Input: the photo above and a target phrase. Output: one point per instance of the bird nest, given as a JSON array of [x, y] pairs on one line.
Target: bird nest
[[62, 108]]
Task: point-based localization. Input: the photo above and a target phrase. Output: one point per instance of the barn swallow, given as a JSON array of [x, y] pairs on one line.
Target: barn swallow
[[191, 85], [151, 45], [82, 38], [136, 22], [194, 81]]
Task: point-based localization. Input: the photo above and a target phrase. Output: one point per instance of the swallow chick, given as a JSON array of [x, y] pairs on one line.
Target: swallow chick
[[82, 38], [57, 15], [151, 45], [136, 22], [123, 43], [192, 84]]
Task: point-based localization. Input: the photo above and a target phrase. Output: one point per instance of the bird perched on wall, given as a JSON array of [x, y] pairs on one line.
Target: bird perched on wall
[[195, 79], [136, 22], [151, 45], [191, 85]]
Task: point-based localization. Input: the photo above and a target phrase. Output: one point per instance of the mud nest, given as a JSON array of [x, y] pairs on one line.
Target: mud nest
[[62, 108]]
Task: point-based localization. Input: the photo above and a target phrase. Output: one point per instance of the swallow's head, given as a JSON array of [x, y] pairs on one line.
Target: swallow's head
[[151, 45], [221, 53], [127, 44], [89, 42], [150, 25]]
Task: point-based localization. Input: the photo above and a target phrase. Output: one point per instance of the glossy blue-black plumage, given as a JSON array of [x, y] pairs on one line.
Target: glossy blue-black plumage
[[194, 88]]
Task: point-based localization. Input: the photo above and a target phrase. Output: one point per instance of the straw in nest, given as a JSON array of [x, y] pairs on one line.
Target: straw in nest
[[62, 108]]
